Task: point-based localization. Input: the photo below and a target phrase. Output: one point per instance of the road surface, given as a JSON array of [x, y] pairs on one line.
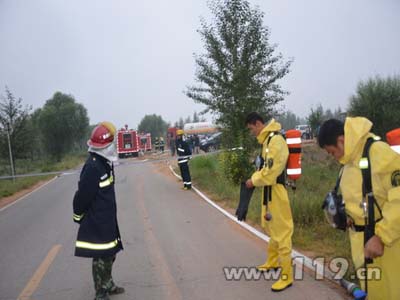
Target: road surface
[[176, 246]]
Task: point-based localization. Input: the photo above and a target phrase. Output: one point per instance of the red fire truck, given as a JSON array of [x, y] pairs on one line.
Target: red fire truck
[[145, 142], [171, 135], [127, 142]]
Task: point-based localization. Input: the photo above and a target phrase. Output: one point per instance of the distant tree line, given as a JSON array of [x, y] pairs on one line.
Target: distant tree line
[[289, 120], [318, 115], [153, 124], [377, 99], [196, 118], [60, 127]]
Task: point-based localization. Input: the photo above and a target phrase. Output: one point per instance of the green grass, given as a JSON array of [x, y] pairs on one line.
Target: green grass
[[312, 234], [9, 187]]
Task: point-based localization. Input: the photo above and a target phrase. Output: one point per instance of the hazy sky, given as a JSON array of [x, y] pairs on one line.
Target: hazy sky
[[125, 59]]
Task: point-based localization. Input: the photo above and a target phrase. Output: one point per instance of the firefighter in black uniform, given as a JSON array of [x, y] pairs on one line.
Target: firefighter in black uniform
[[156, 144], [96, 211], [183, 151]]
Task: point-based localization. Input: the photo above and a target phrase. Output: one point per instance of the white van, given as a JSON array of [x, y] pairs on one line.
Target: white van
[[305, 130]]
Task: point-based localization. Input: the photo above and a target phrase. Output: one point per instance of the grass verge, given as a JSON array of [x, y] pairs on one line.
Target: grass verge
[[8, 187]]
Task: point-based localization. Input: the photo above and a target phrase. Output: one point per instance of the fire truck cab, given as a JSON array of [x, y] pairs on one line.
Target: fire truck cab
[[127, 142]]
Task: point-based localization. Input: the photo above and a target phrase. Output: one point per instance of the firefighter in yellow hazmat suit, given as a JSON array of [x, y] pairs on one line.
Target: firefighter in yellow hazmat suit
[[275, 201], [346, 143]]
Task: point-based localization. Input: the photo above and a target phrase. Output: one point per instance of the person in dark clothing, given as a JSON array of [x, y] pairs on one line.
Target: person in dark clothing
[[172, 144], [196, 144], [184, 152], [95, 209], [162, 144]]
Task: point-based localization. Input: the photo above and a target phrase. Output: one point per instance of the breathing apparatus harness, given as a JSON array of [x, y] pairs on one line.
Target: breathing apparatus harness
[[261, 163], [334, 206]]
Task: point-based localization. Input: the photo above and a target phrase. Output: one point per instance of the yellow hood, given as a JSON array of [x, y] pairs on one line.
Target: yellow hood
[[272, 126], [356, 131]]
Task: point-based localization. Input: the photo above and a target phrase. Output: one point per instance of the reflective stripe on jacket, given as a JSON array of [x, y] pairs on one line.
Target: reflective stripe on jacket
[[96, 211], [182, 149]]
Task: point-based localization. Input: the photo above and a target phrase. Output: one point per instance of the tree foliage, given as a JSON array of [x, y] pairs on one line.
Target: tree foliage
[[63, 124], [153, 124], [188, 120], [239, 71], [181, 123], [378, 99], [195, 117], [15, 119], [289, 120], [318, 115]]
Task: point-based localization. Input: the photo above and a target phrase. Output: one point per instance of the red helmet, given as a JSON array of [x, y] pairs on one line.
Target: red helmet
[[102, 135]]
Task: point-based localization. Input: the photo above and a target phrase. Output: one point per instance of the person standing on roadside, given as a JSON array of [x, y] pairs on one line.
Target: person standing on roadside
[[184, 153], [276, 212], [95, 210]]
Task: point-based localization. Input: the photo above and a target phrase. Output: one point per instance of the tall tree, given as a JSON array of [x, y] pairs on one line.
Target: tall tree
[[315, 118], [188, 120], [239, 71], [153, 124], [196, 117], [181, 123], [14, 120], [378, 99], [63, 123]]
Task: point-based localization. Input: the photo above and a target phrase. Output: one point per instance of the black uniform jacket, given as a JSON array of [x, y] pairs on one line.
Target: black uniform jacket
[[182, 148], [95, 210]]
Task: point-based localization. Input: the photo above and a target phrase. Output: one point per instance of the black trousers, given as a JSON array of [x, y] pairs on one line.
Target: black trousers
[[185, 173]]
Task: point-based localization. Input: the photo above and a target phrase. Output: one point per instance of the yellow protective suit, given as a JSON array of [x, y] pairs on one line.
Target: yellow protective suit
[[384, 163], [280, 227]]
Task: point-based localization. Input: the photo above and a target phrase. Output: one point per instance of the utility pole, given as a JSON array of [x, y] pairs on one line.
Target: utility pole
[[10, 151]]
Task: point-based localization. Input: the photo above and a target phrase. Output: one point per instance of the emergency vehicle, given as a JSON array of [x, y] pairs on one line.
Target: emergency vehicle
[[171, 135], [200, 128], [145, 142], [127, 142]]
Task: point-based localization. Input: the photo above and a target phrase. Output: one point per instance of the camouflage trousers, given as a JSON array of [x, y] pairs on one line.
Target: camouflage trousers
[[103, 282]]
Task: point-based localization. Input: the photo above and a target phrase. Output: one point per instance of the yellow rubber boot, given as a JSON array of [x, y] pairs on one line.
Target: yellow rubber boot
[[286, 279], [272, 260]]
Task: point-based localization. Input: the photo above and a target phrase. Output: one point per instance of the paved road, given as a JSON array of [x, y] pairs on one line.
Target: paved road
[[176, 246]]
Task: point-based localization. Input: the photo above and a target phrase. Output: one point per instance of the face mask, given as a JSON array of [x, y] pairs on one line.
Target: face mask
[[334, 210], [109, 153], [259, 162]]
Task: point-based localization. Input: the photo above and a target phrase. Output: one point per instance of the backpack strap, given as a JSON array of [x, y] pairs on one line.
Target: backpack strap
[[281, 179], [365, 166], [369, 201]]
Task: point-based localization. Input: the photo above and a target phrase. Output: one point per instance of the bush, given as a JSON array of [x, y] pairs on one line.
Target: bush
[[236, 166]]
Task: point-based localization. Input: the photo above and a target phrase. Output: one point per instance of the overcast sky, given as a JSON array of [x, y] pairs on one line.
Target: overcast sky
[[124, 59]]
